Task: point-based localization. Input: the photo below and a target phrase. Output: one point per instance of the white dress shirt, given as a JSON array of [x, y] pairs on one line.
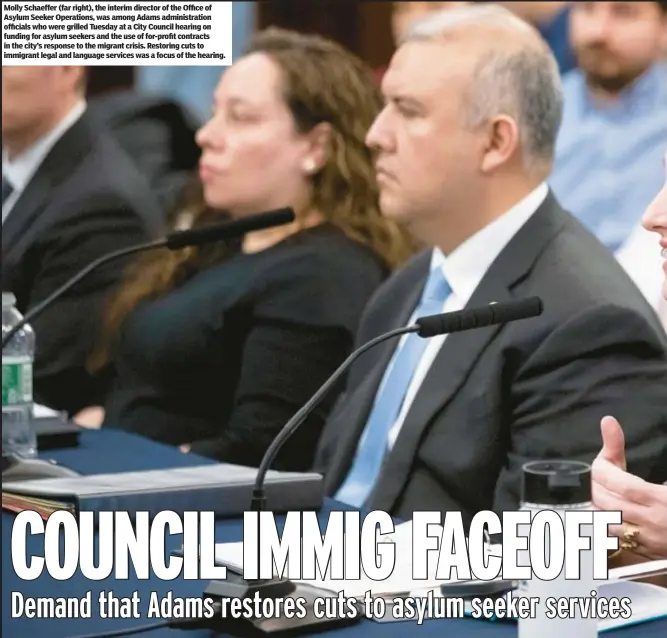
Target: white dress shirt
[[19, 171], [464, 269]]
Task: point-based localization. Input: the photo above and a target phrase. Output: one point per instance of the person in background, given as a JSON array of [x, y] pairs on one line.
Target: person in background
[[69, 195], [551, 19], [643, 504], [217, 348], [464, 146], [614, 128], [156, 131]]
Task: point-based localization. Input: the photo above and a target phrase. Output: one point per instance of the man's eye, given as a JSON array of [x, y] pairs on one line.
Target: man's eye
[[407, 111]]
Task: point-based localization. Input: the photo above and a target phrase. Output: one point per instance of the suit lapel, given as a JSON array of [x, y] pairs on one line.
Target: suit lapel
[[461, 351], [364, 393], [59, 163]]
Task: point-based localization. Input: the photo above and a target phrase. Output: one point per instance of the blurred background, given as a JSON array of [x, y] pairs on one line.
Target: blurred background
[[368, 29]]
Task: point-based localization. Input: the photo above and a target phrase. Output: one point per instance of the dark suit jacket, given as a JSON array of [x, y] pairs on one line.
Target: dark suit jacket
[[86, 199], [157, 133], [499, 396]]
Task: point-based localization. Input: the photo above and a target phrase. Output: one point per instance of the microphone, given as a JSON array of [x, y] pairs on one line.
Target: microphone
[[228, 229], [425, 327], [479, 317], [173, 241]]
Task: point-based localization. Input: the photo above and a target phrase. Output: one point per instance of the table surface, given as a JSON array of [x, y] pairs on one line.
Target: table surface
[[115, 451]]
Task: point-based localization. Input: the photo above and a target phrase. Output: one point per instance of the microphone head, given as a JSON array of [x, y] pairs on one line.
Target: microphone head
[[471, 318]]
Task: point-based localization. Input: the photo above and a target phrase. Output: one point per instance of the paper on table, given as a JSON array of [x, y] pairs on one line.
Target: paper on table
[[42, 412], [629, 572], [639, 570], [180, 478], [649, 602]]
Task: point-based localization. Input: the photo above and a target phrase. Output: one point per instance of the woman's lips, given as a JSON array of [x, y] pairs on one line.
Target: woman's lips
[[206, 172]]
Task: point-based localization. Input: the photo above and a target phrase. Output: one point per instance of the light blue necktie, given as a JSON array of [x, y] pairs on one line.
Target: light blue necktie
[[7, 189], [373, 445]]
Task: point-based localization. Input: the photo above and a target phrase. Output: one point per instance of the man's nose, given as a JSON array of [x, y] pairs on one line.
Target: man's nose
[[377, 133]]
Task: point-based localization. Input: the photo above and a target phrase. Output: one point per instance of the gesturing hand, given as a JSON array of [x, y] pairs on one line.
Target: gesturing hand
[[643, 504]]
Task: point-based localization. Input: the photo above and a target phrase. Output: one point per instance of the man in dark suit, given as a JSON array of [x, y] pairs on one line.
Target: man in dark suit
[[464, 145], [70, 194], [159, 135]]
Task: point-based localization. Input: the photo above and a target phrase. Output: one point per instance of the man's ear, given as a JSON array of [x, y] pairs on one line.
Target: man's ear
[[502, 142]]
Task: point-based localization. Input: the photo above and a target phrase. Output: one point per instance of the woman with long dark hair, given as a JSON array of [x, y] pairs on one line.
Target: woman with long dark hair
[[213, 349]]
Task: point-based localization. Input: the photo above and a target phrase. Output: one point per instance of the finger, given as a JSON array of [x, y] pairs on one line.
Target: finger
[[613, 442], [611, 502], [626, 485], [651, 539], [616, 530]]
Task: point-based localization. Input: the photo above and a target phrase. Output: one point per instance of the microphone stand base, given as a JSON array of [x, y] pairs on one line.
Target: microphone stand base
[[288, 620]]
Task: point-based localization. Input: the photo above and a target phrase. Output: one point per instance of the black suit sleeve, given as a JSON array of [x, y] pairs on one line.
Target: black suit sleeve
[[283, 366], [67, 331], [592, 366]]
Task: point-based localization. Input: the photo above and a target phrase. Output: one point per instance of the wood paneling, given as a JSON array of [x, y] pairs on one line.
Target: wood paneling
[[363, 27], [375, 42], [336, 19]]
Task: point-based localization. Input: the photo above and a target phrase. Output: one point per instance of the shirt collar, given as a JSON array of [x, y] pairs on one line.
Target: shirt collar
[[20, 170], [465, 267]]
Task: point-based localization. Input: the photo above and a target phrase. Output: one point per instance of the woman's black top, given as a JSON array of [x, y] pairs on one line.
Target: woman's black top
[[225, 360]]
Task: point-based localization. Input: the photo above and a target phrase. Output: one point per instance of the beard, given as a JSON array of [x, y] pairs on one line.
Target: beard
[[611, 83], [605, 71]]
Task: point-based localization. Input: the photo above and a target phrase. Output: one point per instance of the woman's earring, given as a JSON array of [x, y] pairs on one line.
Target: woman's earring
[[309, 166]]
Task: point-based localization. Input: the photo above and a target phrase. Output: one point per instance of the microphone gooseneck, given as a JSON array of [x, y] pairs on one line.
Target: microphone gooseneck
[[173, 241]]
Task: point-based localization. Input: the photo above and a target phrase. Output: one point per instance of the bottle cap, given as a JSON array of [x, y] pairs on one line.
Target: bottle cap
[[556, 483], [8, 299]]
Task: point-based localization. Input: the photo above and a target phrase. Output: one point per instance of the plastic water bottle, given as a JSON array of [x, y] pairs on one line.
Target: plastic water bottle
[[558, 486], [18, 435]]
